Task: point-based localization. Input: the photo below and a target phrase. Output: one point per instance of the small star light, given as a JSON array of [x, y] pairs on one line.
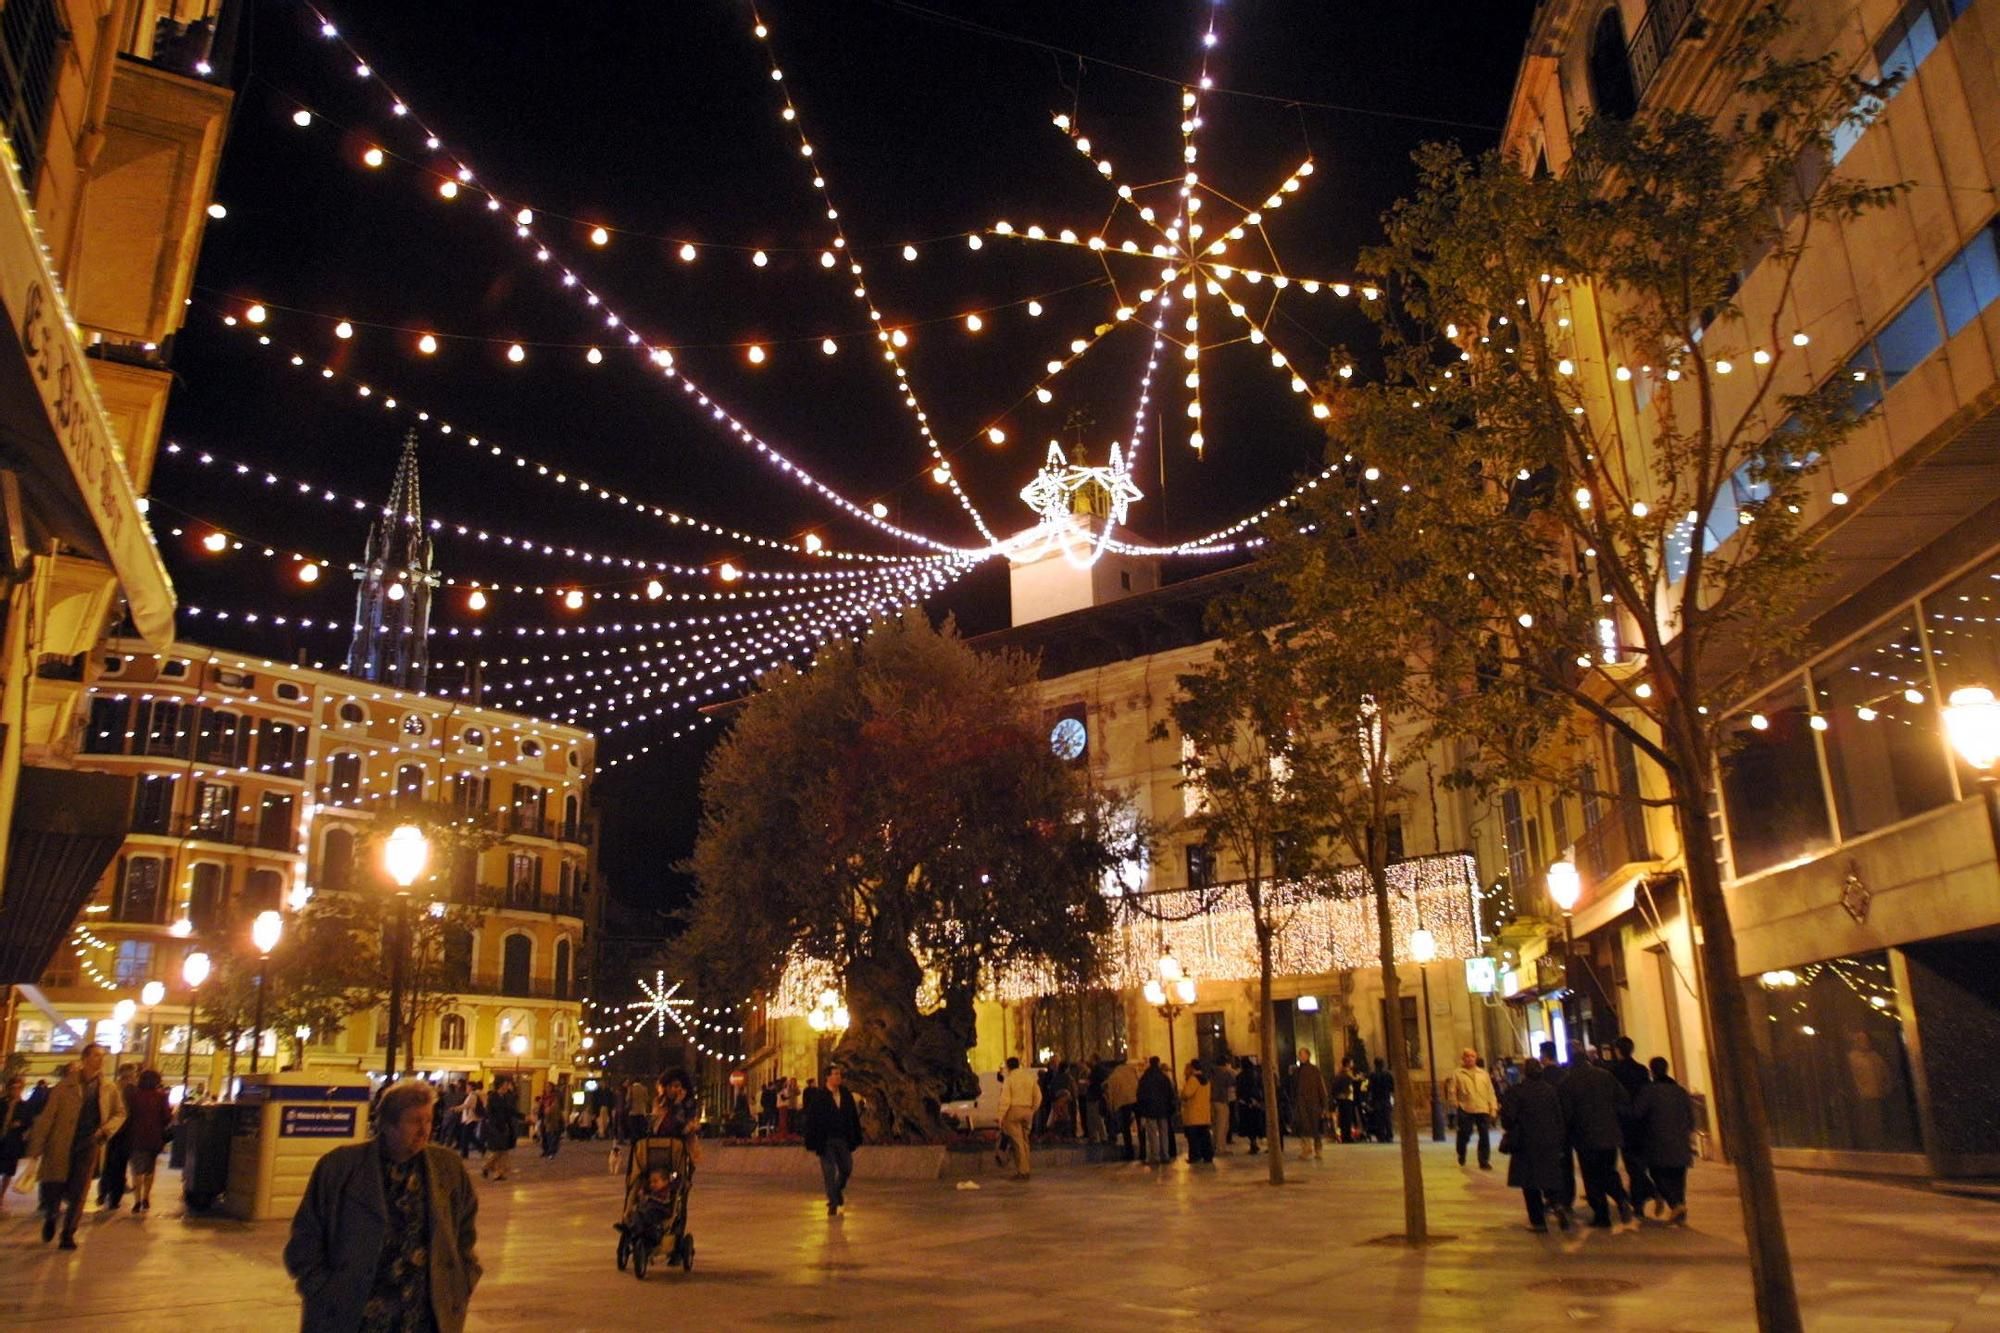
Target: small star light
[[1050, 493], [660, 1003]]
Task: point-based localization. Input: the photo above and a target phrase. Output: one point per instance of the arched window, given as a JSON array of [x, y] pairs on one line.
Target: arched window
[[451, 1033], [1612, 91], [336, 859], [562, 968], [572, 812], [343, 781], [410, 782], [264, 893], [517, 956], [457, 954], [208, 897]]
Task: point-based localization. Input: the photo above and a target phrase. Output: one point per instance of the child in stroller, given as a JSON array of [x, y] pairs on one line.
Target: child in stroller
[[655, 1215]]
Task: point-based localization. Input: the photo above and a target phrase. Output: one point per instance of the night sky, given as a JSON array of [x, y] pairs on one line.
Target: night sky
[[661, 122]]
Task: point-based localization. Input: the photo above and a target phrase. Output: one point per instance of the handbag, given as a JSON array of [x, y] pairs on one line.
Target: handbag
[[1507, 1141]]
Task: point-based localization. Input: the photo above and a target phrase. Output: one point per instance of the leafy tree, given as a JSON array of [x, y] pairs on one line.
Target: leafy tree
[[322, 972], [896, 810], [1513, 486]]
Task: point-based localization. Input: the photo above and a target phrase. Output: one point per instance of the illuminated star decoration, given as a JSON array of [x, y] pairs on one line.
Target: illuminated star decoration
[[1052, 494], [661, 1003]]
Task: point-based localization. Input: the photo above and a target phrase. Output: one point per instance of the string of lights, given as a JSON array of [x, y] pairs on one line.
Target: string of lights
[[659, 352]]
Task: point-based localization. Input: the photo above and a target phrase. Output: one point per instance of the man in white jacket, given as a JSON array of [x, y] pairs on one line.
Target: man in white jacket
[[1469, 1091], [1020, 1094], [84, 1111]]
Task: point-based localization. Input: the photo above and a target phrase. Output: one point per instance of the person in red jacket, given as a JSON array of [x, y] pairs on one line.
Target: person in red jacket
[[146, 1122]]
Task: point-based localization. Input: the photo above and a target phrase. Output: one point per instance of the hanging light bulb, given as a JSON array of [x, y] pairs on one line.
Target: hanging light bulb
[[687, 252], [729, 573], [517, 354], [974, 323], [760, 259], [995, 435], [829, 346], [813, 544], [255, 314], [396, 592], [594, 356], [573, 599], [428, 344], [448, 189], [1035, 309], [475, 600], [343, 330], [910, 252], [373, 157], [756, 354], [309, 572], [302, 118], [655, 589], [879, 509], [599, 236]]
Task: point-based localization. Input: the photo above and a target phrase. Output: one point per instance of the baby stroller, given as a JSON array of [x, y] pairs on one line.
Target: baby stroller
[[656, 1218]]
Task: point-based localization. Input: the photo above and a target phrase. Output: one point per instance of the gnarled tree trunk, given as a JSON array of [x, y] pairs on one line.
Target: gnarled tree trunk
[[1416, 1222], [904, 1064]]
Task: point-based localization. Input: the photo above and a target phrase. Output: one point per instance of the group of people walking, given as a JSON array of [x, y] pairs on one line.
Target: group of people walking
[[89, 1128], [1566, 1121], [472, 1119]]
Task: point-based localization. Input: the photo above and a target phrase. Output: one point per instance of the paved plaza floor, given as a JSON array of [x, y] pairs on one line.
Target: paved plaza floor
[[1109, 1246]]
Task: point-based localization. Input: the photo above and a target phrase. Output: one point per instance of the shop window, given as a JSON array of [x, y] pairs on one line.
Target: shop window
[[1770, 784], [1963, 622], [1830, 1050], [1884, 756]]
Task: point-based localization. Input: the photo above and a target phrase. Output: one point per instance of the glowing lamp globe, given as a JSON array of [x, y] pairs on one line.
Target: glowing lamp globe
[[841, 1018], [1184, 990], [121, 1012], [1565, 886], [405, 854], [817, 1020], [265, 930], [1155, 993], [1170, 968], [518, 1045], [152, 993], [1424, 945], [195, 969], [1972, 721]]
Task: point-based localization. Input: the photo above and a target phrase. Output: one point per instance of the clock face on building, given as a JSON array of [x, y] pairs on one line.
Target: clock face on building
[[1066, 739]]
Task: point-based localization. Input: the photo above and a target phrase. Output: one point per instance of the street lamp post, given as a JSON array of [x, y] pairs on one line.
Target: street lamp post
[[517, 1046], [150, 995], [1565, 888], [830, 1019], [404, 856], [1424, 950], [264, 933], [1170, 994], [1972, 720], [194, 971]]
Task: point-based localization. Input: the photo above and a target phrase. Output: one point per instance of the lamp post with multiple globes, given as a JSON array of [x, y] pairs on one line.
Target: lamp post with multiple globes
[[404, 855], [1170, 993], [264, 933], [1424, 951], [1565, 888], [194, 971]]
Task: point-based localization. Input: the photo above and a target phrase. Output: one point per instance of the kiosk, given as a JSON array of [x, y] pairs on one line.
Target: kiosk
[[285, 1122]]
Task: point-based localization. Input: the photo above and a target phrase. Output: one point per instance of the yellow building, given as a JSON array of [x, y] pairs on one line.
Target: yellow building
[[1858, 853], [115, 112], [256, 785]]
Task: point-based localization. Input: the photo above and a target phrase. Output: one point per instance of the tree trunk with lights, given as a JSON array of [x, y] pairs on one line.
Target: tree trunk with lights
[[904, 1064], [1416, 1223], [1267, 1036]]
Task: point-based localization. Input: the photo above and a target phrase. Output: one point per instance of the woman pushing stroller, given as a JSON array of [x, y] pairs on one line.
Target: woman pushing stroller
[[659, 1177]]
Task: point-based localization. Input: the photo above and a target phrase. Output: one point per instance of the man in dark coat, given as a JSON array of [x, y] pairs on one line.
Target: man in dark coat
[[385, 1235], [1533, 1120], [832, 1133], [1632, 1076], [1554, 1072], [1250, 1102], [1157, 1103], [1664, 1114], [1595, 1109]]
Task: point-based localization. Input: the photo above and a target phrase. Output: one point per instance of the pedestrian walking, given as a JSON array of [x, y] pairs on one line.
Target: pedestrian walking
[[833, 1132], [1224, 1078], [1250, 1103], [1157, 1103], [111, 1183], [83, 1111], [1020, 1097], [502, 1129], [1198, 1113], [147, 1117], [1381, 1093], [1309, 1102], [1634, 1078], [1535, 1138], [1665, 1116], [1345, 1092], [472, 1122], [385, 1236], [1595, 1108], [1121, 1094], [1469, 1091], [17, 1116], [1554, 1073]]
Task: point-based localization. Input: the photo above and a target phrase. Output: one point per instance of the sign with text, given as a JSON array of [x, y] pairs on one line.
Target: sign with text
[[316, 1122], [1482, 976]]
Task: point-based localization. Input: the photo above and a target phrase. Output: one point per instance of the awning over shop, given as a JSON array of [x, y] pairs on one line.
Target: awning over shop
[[53, 427], [67, 827]]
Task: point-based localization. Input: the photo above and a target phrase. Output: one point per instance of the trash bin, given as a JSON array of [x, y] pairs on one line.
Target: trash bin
[[285, 1122], [206, 1132]]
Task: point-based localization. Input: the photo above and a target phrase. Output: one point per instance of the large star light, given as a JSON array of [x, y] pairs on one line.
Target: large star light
[[1052, 494], [662, 1002]]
